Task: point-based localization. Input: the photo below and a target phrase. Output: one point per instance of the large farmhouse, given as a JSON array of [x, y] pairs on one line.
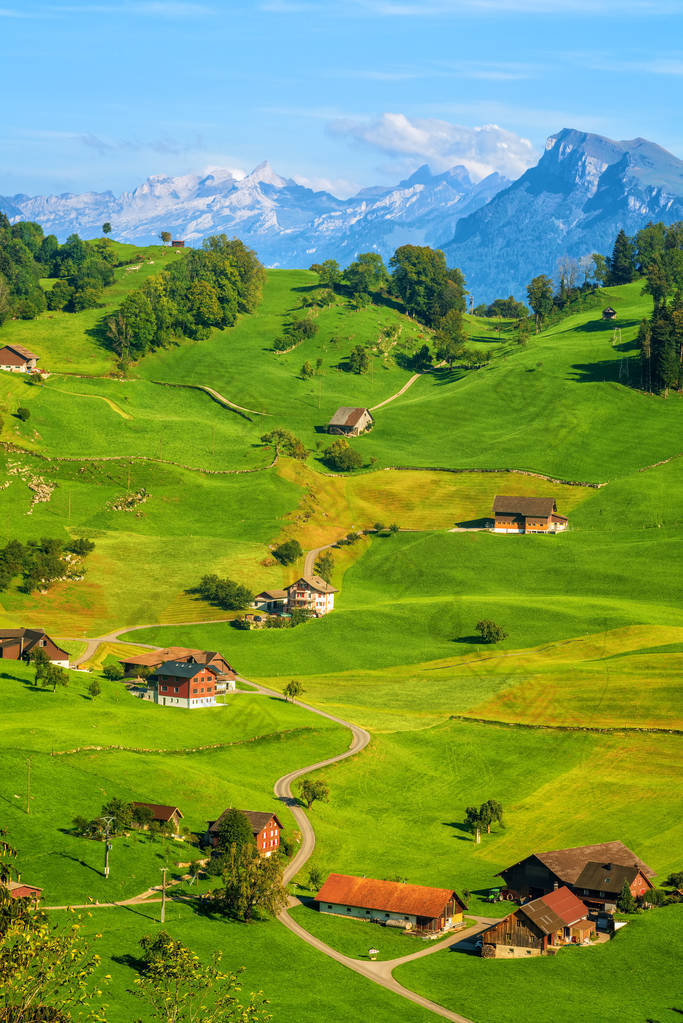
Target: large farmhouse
[[413, 907], [19, 644], [224, 673], [539, 927], [526, 515], [596, 873], [311, 593], [265, 827], [185, 684], [350, 422], [17, 359]]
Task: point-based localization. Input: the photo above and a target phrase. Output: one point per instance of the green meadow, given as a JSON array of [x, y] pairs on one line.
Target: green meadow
[[573, 721], [633, 978]]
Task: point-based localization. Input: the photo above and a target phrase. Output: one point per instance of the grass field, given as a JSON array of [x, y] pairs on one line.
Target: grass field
[[157, 757], [593, 620], [632, 978]]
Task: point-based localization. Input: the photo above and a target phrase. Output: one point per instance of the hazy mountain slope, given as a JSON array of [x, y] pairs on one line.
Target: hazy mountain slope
[[288, 224], [582, 191]]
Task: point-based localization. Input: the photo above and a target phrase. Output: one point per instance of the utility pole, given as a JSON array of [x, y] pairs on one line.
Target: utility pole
[[28, 786], [107, 822], [163, 894]]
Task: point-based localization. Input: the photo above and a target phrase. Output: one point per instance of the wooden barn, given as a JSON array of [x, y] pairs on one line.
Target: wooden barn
[[595, 873], [350, 422], [412, 907], [527, 515], [19, 644], [265, 827], [162, 813], [539, 927], [609, 313]]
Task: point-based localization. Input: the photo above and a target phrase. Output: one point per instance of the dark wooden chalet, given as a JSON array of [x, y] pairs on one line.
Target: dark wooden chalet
[[19, 644], [538, 927], [609, 313], [540, 873], [265, 827], [395, 904]]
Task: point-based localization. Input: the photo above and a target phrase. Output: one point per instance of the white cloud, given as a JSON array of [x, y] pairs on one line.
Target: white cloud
[[465, 8], [342, 188], [442, 144]]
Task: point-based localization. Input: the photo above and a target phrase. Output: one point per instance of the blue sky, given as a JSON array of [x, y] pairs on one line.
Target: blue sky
[[99, 95]]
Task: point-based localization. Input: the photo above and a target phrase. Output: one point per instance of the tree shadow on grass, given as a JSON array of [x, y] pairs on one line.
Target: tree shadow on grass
[[606, 371], [459, 826], [468, 640], [604, 326]]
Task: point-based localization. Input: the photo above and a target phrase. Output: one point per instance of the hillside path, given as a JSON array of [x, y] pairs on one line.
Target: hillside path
[[414, 377], [216, 395]]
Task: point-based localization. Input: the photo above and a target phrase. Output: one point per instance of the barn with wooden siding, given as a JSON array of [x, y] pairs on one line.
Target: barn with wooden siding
[[539, 927], [593, 872], [350, 422]]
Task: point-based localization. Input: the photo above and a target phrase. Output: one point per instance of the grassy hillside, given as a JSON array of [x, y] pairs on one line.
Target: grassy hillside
[[592, 615]]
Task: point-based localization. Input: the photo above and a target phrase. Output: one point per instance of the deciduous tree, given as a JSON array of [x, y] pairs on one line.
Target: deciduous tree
[[251, 882], [312, 789], [489, 631]]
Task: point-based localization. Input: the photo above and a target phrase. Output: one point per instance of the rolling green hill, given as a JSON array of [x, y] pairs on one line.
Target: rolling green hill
[[573, 721]]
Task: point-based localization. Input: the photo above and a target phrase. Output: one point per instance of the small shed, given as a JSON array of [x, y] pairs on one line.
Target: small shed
[[609, 313], [162, 813], [350, 422], [177, 243]]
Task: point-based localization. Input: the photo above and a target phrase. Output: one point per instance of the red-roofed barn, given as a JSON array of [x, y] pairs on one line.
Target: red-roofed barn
[[413, 907]]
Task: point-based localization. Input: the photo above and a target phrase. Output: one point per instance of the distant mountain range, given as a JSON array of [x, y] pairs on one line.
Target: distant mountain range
[[501, 233]]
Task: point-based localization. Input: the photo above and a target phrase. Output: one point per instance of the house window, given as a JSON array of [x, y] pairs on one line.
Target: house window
[[329, 906], [175, 689]]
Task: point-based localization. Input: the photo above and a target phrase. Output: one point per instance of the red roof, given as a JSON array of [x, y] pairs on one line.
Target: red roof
[[566, 905], [18, 890], [390, 896]]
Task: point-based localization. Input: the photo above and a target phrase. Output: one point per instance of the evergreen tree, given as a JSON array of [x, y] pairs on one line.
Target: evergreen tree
[[234, 829], [621, 265]]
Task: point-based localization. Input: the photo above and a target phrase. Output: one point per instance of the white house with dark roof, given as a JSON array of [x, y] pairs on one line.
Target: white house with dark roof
[[311, 593]]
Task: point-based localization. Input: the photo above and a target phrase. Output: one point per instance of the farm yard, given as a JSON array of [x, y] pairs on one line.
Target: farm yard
[[572, 721]]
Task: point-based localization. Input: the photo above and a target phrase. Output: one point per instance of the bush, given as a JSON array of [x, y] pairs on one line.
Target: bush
[[225, 593], [341, 457], [114, 671], [23, 413], [490, 632], [288, 551]]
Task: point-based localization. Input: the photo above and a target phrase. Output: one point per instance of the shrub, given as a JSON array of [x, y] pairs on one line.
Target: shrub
[[490, 632], [341, 457], [113, 671], [288, 552]]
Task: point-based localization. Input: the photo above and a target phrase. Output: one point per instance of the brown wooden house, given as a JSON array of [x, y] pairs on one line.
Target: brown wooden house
[[17, 359], [412, 907], [609, 313], [19, 644], [265, 827], [527, 515], [163, 814], [539, 927], [580, 869], [350, 422]]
